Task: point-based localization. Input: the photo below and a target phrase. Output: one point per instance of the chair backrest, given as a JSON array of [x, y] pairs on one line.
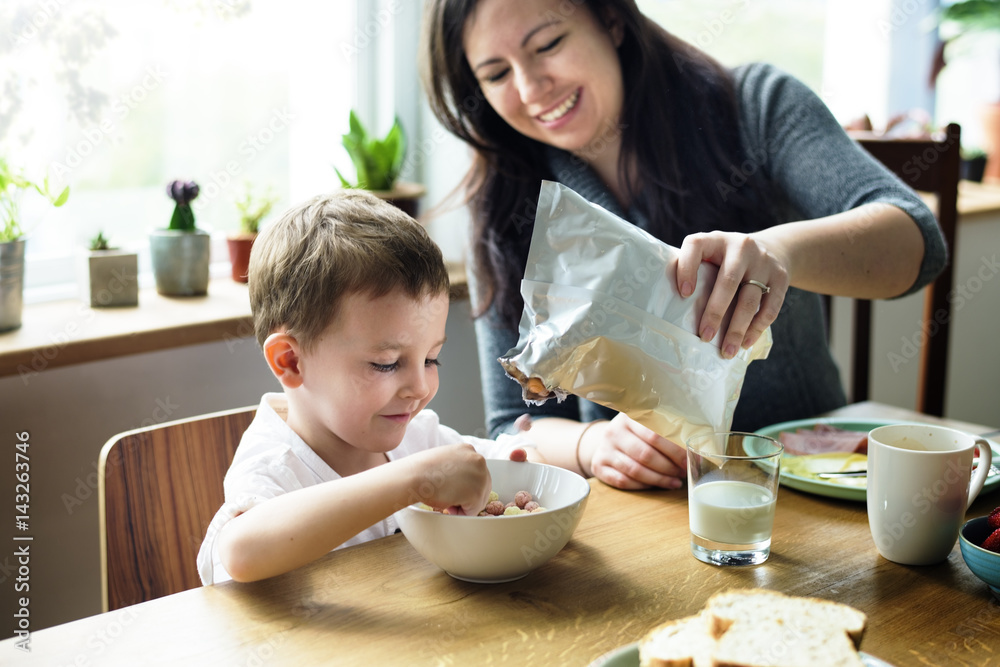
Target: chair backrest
[[932, 166], [159, 488]]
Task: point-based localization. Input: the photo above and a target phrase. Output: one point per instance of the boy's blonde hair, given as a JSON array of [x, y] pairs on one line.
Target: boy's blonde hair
[[304, 264]]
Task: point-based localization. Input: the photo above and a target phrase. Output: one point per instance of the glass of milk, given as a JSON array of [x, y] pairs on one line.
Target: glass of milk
[[732, 488]]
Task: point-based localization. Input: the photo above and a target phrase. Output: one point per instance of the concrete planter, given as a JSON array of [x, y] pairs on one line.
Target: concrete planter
[[11, 284], [180, 261], [113, 276]]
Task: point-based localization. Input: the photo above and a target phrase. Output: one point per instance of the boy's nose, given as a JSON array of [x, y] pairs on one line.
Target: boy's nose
[[416, 385]]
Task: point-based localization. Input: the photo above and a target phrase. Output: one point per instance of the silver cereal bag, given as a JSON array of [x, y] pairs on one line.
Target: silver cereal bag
[[603, 320]]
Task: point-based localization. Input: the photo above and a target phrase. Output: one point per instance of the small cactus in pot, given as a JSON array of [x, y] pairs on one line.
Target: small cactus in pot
[[181, 251]]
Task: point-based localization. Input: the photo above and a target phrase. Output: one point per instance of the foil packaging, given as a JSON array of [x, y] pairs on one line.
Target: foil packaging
[[603, 320]]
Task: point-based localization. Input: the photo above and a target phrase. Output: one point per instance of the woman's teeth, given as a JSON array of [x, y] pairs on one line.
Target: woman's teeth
[[561, 110]]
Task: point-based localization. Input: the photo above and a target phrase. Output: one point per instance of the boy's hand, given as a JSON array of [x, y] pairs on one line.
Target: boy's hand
[[454, 478]]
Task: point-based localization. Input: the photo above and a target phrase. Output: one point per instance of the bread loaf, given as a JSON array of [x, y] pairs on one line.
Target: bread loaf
[[758, 628]]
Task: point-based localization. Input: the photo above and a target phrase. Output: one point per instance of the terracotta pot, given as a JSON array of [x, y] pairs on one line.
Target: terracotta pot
[[404, 196], [991, 131], [239, 254]]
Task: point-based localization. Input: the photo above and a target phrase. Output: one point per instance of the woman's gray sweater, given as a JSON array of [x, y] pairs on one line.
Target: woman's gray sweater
[[789, 134]]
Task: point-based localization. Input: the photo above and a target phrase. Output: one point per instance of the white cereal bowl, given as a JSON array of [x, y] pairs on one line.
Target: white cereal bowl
[[496, 549]]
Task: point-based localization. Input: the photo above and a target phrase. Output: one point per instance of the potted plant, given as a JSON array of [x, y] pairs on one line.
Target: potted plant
[[180, 253], [973, 164], [378, 163], [113, 275], [962, 18], [12, 187], [252, 208]]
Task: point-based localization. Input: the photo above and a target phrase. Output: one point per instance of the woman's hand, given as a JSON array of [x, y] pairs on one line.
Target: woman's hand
[[522, 425], [625, 454], [740, 258]]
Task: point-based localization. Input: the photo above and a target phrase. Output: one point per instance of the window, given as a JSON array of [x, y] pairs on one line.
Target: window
[[861, 56], [786, 33], [117, 98]]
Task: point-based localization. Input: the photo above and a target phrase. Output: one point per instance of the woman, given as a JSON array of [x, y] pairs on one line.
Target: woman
[[744, 168]]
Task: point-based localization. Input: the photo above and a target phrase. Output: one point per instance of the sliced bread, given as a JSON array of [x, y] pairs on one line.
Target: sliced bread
[[754, 605], [758, 628], [773, 643], [686, 642]]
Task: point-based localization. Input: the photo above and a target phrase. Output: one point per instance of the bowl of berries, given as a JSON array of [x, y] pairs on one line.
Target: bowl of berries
[[532, 513], [980, 545]]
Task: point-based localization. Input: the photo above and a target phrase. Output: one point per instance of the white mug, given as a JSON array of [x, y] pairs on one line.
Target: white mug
[[920, 484]]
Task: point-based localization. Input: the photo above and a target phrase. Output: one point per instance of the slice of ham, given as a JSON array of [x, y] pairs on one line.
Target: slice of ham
[[823, 439]]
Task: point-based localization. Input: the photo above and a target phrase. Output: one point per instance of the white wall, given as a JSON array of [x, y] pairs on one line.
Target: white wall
[[71, 412], [973, 392]]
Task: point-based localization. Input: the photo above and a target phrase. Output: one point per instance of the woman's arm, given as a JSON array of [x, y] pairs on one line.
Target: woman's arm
[[861, 231], [621, 452], [872, 252], [296, 528]]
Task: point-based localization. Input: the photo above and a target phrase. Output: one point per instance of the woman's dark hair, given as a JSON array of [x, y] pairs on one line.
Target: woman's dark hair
[[679, 124]]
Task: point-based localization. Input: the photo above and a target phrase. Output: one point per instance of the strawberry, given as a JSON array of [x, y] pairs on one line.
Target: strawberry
[[992, 543], [993, 520]]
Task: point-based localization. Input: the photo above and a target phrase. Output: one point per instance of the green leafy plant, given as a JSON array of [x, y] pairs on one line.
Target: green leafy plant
[[962, 18], [973, 14], [12, 186], [972, 153], [183, 193], [253, 207], [377, 161], [100, 242]]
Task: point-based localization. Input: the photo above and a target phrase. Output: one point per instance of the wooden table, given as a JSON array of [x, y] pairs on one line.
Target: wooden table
[[627, 569]]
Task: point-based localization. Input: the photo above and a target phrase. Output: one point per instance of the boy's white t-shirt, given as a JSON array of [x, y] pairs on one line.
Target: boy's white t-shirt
[[272, 460]]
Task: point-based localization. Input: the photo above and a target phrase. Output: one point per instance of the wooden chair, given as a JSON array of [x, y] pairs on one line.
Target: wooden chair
[[931, 166], [159, 488]]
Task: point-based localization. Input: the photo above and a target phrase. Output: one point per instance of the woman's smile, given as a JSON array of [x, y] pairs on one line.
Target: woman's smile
[[564, 108]]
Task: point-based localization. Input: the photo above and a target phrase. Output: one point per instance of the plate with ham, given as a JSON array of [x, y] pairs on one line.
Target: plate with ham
[[832, 445]]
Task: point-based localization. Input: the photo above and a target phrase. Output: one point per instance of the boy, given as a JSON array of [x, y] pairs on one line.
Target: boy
[[349, 298]]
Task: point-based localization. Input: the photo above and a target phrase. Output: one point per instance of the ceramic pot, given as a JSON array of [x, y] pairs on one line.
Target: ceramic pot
[[113, 277], [180, 261], [239, 255], [11, 284], [404, 196]]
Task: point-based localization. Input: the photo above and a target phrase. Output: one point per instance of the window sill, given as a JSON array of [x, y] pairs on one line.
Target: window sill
[[61, 333], [977, 198]]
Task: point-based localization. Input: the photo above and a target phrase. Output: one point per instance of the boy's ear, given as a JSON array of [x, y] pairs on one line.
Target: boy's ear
[[283, 354]]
